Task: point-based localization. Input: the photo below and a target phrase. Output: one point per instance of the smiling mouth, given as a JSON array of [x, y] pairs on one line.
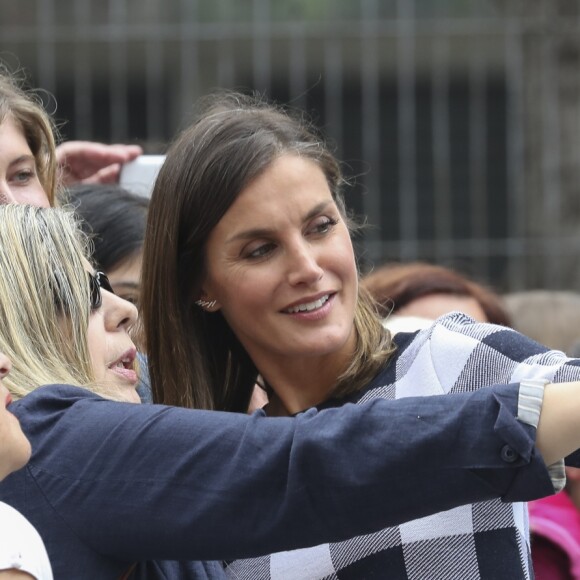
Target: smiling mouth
[[309, 306]]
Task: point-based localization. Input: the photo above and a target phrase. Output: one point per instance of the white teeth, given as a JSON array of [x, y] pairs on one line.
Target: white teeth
[[309, 306]]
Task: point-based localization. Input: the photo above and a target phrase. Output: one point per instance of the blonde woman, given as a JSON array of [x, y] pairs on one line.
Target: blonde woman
[[34, 178], [115, 487]]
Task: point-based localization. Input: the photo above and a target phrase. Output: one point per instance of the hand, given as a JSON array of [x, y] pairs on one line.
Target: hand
[[89, 162]]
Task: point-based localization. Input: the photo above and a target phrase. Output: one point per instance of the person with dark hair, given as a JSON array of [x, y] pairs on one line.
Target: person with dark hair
[[429, 291], [248, 248], [115, 220]]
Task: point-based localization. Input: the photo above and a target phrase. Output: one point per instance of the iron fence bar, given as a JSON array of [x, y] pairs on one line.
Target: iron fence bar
[[370, 115], [516, 270], [406, 103], [118, 69], [83, 78]]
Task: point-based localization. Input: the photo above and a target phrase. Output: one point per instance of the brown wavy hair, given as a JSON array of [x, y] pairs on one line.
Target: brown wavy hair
[[396, 285]]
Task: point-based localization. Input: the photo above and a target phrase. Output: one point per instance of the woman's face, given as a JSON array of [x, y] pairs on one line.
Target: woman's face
[[125, 278], [280, 264], [111, 349], [19, 182], [14, 446]]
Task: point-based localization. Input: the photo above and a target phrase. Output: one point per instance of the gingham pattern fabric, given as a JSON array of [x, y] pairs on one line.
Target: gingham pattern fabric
[[488, 540]]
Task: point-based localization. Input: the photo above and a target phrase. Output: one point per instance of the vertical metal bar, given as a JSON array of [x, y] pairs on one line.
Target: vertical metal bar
[[83, 79], [371, 125], [333, 89], [298, 73], [515, 155], [551, 154], [225, 48], [190, 76], [154, 55], [407, 128], [262, 45], [46, 46], [118, 69], [441, 148], [477, 159]]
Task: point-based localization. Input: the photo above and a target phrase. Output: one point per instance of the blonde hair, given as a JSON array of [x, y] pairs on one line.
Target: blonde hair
[[26, 109], [44, 299]]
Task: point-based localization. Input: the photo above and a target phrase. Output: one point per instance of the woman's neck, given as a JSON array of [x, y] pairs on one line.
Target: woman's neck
[[292, 394], [300, 384]]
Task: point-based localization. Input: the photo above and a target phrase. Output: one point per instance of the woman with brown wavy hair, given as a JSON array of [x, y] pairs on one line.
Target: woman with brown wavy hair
[[429, 291]]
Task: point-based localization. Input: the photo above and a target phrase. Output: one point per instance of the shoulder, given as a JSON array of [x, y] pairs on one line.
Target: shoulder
[[467, 354], [50, 396], [455, 354], [20, 544], [457, 334], [49, 404]]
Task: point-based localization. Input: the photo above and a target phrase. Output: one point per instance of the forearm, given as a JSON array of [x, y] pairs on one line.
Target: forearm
[[559, 425]]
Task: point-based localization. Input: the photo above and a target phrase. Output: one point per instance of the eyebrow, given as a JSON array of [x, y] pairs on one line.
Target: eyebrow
[[22, 158], [266, 232], [133, 285]]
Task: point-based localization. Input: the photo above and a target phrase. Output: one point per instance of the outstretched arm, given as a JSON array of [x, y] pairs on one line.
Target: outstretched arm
[[89, 162], [161, 482]]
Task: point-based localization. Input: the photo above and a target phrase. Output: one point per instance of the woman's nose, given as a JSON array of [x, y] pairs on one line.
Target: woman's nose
[[304, 267], [119, 313]]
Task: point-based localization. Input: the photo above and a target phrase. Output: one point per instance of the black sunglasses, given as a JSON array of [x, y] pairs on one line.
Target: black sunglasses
[[97, 281]]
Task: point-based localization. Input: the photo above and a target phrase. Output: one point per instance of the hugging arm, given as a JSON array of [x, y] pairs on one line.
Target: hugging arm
[[165, 483]]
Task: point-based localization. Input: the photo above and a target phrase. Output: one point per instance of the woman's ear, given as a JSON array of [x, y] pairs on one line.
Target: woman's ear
[[206, 303]]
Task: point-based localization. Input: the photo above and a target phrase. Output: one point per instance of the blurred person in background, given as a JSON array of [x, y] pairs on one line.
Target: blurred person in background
[[414, 294], [552, 317], [114, 219], [32, 168]]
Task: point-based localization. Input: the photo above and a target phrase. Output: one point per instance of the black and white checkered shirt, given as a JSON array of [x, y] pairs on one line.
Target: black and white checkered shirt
[[488, 540]]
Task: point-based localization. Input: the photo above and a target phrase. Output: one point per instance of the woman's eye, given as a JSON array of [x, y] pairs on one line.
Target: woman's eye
[[323, 225], [132, 298], [260, 251], [23, 176]]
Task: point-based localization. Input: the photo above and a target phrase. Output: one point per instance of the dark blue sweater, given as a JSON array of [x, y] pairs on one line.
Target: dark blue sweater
[[113, 483]]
